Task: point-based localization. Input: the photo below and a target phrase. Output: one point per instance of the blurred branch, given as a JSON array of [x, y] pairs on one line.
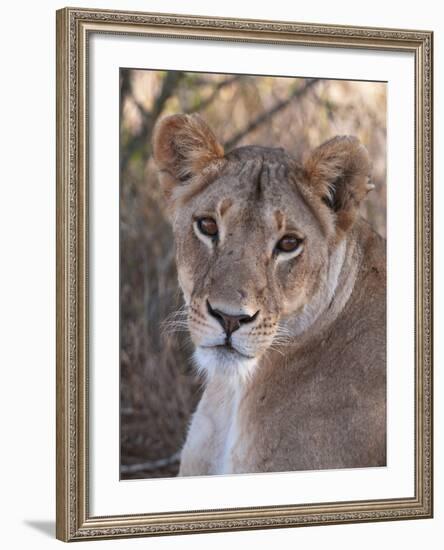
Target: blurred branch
[[329, 106], [125, 88], [170, 83], [265, 116], [141, 140], [223, 84]]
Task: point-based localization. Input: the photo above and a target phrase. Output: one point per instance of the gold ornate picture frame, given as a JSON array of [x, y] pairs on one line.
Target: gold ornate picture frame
[[74, 30]]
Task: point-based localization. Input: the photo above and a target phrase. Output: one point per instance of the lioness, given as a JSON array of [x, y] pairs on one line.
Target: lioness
[[284, 285]]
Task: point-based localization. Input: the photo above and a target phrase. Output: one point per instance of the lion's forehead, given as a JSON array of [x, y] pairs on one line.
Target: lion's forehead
[[262, 185], [256, 152]]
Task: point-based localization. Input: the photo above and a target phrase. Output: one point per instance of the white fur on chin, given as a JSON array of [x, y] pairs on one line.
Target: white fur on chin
[[217, 361]]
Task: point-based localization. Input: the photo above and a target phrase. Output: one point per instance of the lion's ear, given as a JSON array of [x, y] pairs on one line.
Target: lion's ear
[[339, 172], [183, 146]]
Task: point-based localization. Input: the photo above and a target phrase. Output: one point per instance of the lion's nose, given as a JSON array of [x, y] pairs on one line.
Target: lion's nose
[[230, 323]]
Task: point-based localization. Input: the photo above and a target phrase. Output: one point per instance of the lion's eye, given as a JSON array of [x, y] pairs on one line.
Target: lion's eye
[[288, 243], [207, 226]]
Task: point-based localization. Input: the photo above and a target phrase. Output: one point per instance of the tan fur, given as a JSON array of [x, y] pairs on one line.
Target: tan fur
[[187, 146], [339, 172], [303, 386]]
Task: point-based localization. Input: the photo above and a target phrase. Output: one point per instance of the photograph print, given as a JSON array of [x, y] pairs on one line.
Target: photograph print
[[252, 274]]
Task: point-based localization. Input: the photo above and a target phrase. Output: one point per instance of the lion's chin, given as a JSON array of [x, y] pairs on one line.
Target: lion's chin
[[223, 361]]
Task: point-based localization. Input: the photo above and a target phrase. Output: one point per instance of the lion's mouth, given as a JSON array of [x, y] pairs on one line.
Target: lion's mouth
[[228, 348]]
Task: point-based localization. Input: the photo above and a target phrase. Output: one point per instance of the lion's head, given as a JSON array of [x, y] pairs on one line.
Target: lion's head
[[259, 237]]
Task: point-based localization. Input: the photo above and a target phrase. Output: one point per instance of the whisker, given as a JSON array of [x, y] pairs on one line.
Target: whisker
[[175, 319], [179, 311], [284, 333], [177, 315], [173, 322], [273, 348], [170, 326], [281, 338], [281, 342], [281, 329]]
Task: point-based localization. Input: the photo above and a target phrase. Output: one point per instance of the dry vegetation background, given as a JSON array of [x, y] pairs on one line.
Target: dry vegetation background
[[159, 390]]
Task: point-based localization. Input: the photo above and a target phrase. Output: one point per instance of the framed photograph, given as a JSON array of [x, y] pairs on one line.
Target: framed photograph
[[244, 274]]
